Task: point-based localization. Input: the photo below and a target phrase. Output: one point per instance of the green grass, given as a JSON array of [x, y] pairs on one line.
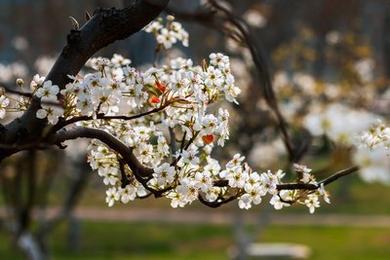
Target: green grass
[[178, 241]]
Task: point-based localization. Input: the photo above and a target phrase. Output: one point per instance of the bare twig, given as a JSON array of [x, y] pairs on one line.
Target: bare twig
[[14, 91], [73, 120], [219, 202], [308, 186]]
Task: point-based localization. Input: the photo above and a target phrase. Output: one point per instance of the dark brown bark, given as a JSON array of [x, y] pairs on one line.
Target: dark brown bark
[[115, 144], [105, 27]]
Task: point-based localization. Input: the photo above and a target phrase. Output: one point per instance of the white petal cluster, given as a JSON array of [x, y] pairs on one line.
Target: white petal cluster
[[372, 154], [255, 18], [365, 69], [36, 82], [4, 103], [47, 92], [51, 113], [374, 164], [348, 126], [43, 64], [106, 163], [338, 122], [304, 173], [12, 71], [118, 89], [377, 135], [184, 93], [168, 33], [310, 199]]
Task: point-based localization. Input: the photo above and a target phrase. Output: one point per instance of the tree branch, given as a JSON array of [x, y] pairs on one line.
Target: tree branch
[[142, 173], [105, 27], [111, 141], [305, 186], [308, 186], [218, 202], [8, 89], [287, 186]]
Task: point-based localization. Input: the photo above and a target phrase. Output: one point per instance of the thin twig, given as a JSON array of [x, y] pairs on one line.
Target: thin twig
[[102, 116], [304, 186], [308, 186]]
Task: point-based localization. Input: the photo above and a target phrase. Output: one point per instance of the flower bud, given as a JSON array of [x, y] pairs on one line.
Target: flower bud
[[208, 139], [161, 86], [20, 82], [154, 100]]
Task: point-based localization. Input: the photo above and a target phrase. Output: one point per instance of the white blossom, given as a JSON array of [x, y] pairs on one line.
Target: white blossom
[[47, 91], [4, 103], [169, 33]]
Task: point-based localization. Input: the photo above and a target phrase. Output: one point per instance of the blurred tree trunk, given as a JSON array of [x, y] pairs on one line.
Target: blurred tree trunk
[[373, 19], [31, 247]]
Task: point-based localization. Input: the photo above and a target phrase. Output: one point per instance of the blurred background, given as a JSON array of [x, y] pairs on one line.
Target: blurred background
[[330, 66]]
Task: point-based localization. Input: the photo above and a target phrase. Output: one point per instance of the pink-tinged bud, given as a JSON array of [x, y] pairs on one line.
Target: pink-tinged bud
[[161, 86], [208, 139], [154, 100]]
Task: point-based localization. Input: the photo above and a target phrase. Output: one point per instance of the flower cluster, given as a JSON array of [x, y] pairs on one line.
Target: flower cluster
[[179, 95], [12, 71], [322, 105], [194, 177], [338, 122], [174, 136], [183, 89], [108, 167], [169, 33], [347, 126], [47, 92], [374, 164], [372, 153], [170, 117], [377, 135]]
